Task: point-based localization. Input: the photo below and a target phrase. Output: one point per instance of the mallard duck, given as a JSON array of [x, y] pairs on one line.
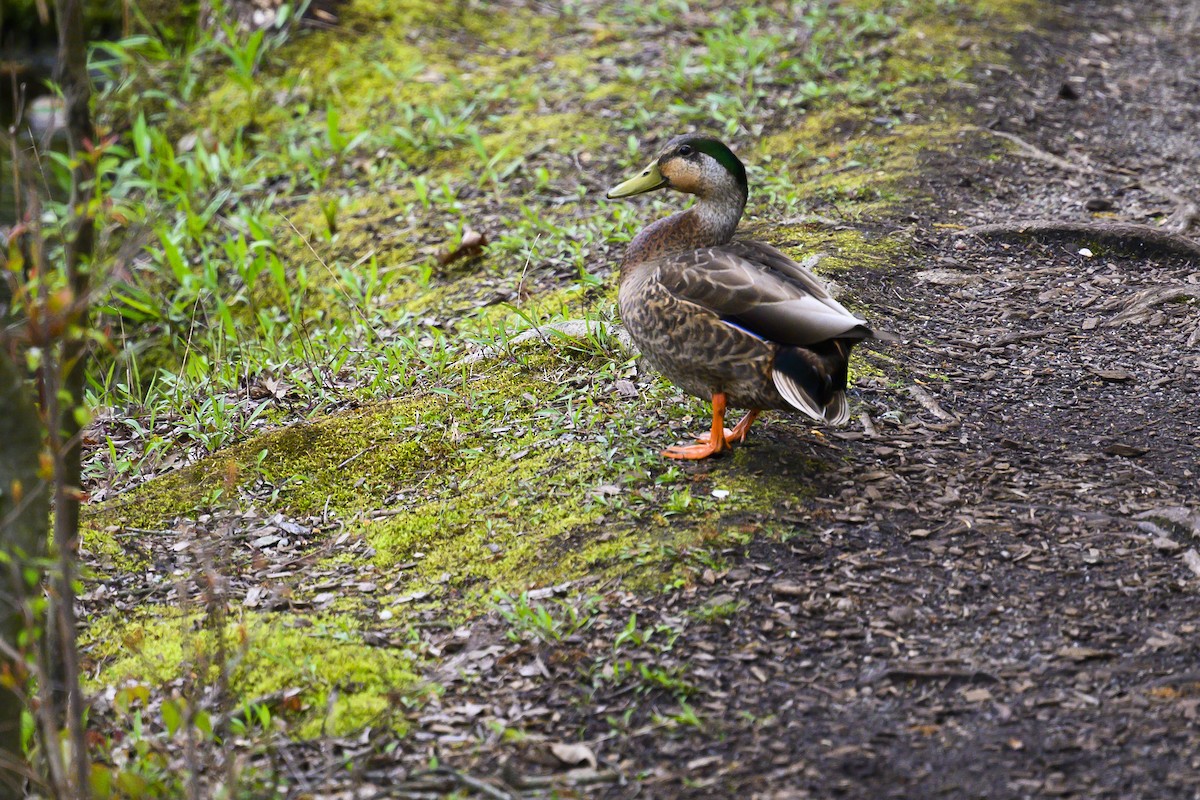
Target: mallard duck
[[736, 322]]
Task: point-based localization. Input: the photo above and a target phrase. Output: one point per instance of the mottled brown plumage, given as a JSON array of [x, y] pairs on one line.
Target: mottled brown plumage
[[737, 322]]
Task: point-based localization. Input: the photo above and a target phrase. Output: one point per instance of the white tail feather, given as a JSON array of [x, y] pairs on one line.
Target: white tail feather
[[794, 393], [837, 412]]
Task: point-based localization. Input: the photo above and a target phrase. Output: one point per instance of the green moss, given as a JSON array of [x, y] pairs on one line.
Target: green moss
[[108, 554], [265, 656], [840, 249], [500, 523], [306, 463], [1009, 16], [863, 367], [852, 165], [564, 131], [495, 492]]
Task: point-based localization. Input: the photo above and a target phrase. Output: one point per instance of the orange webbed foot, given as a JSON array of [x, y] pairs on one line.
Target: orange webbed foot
[[706, 437], [695, 452], [715, 441]]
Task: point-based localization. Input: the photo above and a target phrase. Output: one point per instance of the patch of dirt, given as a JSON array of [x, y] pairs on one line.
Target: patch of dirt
[[992, 591]]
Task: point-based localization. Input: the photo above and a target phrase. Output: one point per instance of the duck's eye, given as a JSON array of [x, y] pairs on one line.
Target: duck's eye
[[686, 150]]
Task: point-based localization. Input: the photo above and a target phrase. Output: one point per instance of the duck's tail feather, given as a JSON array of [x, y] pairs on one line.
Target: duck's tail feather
[[838, 410], [813, 379]]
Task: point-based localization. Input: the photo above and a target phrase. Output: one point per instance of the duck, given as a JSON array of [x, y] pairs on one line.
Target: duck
[[730, 320]]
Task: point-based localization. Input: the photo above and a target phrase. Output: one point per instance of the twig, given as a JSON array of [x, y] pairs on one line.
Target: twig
[[403, 792], [573, 778], [1138, 308], [359, 454], [929, 404], [1186, 210], [1033, 151], [917, 673], [79, 247], [642, 731], [1174, 680], [818, 220], [1129, 235], [142, 532], [465, 780], [337, 282], [1013, 338], [574, 328], [524, 269]]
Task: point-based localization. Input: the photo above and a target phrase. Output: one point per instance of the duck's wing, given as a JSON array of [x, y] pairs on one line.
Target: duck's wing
[[762, 291], [775, 259]]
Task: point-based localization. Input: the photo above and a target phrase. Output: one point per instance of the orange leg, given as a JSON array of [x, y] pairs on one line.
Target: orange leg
[[716, 439], [738, 434]]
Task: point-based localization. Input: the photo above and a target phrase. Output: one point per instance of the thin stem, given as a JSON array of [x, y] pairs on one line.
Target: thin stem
[[79, 245]]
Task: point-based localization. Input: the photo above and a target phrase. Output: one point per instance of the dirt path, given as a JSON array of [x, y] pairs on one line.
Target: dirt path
[[990, 595]]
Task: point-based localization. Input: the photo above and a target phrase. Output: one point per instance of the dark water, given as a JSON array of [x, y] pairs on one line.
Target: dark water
[[23, 76], [28, 49]]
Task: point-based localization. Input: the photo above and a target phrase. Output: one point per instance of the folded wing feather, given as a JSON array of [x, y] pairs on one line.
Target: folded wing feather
[[761, 290]]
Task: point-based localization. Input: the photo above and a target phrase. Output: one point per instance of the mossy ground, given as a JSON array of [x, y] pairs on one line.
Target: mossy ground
[[527, 467], [343, 682]]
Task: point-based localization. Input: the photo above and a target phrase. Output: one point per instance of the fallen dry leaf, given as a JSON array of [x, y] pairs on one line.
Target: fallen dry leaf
[[1081, 653], [1114, 375], [573, 755], [264, 388], [472, 244], [1192, 559], [977, 695]]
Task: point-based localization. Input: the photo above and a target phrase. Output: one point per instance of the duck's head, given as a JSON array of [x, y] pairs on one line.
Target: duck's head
[[693, 164]]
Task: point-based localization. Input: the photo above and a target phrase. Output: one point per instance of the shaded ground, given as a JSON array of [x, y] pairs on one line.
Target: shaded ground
[[989, 593], [979, 589]]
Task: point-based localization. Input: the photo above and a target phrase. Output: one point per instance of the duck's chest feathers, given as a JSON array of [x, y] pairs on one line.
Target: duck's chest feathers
[[693, 347]]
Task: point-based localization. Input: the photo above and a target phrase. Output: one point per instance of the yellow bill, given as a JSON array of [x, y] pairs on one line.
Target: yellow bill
[[648, 181]]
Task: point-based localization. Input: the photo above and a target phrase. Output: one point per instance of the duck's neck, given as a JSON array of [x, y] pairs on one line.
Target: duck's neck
[[710, 222]]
